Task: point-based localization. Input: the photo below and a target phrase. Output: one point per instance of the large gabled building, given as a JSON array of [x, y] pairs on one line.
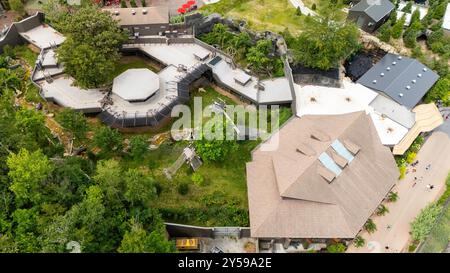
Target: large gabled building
[[325, 178], [370, 14]]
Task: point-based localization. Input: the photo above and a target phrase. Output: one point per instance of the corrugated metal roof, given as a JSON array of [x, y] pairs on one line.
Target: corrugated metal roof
[[403, 79], [375, 9]]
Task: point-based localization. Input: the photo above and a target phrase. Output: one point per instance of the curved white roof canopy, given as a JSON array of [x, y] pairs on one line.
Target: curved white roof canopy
[[136, 84]]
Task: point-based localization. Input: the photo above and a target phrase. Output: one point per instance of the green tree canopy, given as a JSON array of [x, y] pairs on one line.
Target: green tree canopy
[[27, 172], [108, 140], [138, 147], [324, 42], [73, 122], [140, 188], [92, 46]]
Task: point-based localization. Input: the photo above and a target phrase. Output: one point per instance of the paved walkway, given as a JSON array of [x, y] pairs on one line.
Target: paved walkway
[[393, 228], [304, 9]]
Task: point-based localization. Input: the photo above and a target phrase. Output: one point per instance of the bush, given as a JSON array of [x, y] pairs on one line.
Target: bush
[[198, 179], [17, 5], [183, 188], [402, 170], [385, 32], [314, 6], [370, 226], [336, 248], [410, 157], [133, 3], [359, 241], [393, 196], [123, 4], [422, 225], [143, 3]]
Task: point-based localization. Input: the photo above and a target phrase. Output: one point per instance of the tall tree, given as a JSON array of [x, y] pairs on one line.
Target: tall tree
[[92, 46], [108, 140], [325, 41], [27, 172], [140, 188], [73, 122]]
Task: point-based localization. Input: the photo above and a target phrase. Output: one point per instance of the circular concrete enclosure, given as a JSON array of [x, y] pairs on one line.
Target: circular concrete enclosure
[[136, 85]]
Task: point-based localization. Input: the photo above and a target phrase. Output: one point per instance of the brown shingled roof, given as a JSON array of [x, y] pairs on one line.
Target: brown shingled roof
[[293, 195]]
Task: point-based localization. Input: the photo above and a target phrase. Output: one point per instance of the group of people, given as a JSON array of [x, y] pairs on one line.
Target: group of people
[[429, 186]]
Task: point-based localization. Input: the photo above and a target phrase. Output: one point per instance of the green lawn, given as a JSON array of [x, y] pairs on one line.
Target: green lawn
[[273, 15], [129, 62]]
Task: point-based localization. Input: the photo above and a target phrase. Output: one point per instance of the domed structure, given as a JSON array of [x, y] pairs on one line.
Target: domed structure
[[135, 85]]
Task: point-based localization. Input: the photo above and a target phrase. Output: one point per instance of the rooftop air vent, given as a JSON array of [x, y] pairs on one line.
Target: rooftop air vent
[[394, 63], [144, 11], [413, 81], [388, 68], [116, 12], [425, 69], [374, 81], [400, 95], [419, 75], [399, 57], [133, 12], [408, 87], [382, 74]]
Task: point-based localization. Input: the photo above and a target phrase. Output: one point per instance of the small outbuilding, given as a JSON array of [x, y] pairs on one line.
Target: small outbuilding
[[136, 85], [369, 14]]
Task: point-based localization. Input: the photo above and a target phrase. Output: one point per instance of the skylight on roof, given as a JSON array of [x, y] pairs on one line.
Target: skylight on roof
[[329, 163], [341, 150]]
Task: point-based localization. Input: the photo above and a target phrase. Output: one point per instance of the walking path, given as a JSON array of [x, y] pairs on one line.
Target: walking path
[[304, 9], [393, 228]]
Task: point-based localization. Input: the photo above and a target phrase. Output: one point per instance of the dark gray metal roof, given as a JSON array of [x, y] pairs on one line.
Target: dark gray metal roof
[[403, 79], [375, 9]]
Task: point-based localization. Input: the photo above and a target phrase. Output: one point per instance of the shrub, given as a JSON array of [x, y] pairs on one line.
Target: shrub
[[392, 196], [359, 241], [422, 225], [382, 210], [314, 6], [143, 3], [410, 157], [336, 248], [183, 188], [402, 170], [370, 226], [133, 3], [198, 179], [298, 12], [385, 32], [123, 4]]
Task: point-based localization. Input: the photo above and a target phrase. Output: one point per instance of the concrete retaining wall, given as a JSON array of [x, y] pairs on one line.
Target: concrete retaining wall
[[12, 36]]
